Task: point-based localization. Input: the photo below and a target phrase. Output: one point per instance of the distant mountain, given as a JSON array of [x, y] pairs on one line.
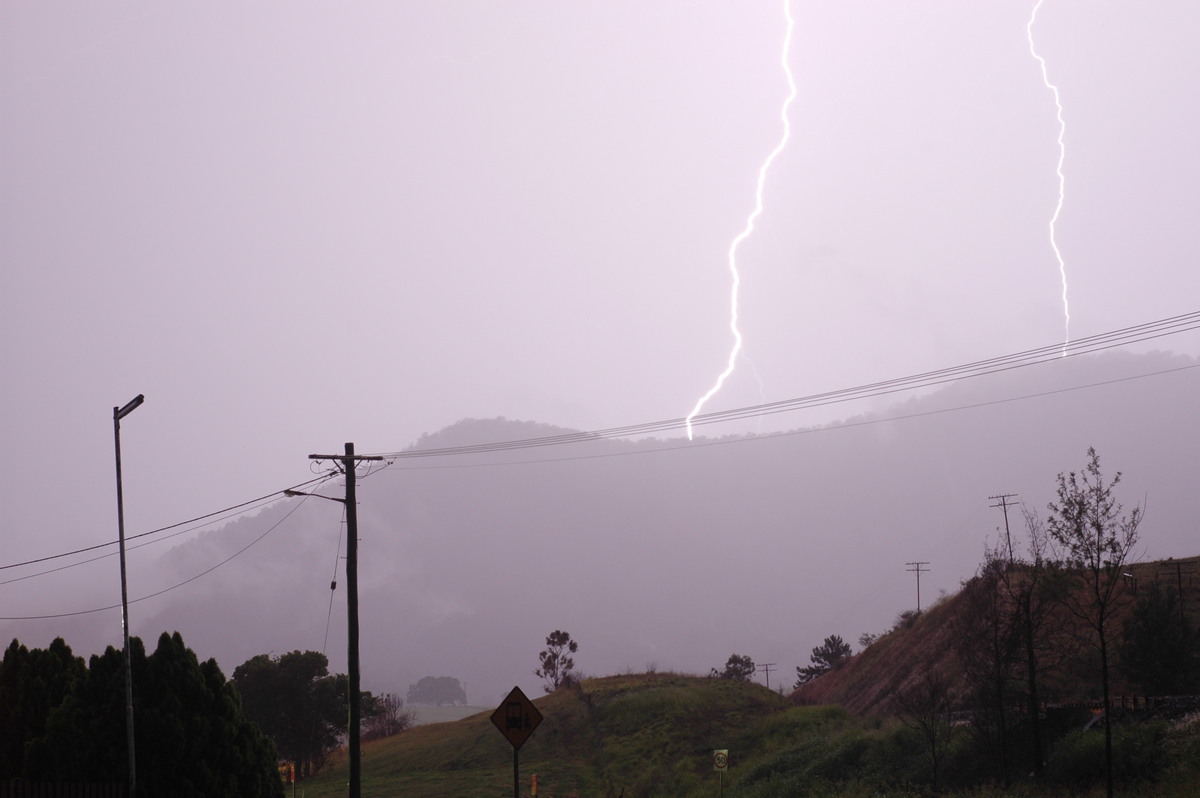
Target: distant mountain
[[661, 552]]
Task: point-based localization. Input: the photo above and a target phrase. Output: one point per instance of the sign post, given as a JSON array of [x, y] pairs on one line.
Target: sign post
[[516, 718], [721, 764]]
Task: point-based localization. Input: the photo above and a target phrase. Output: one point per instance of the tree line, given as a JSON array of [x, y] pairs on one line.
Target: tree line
[[196, 733], [64, 721], [1057, 615], [1052, 615]]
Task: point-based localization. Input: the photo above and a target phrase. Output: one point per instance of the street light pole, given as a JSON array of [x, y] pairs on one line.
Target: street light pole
[[118, 414]]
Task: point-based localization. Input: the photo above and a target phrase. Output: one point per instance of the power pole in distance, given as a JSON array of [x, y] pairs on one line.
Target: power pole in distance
[[348, 461], [916, 569], [1003, 504], [766, 668]]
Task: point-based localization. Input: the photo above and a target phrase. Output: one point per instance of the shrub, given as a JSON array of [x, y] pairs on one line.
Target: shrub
[[1139, 754]]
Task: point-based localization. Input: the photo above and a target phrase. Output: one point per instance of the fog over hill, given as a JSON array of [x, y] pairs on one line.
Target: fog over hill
[[659, 553]]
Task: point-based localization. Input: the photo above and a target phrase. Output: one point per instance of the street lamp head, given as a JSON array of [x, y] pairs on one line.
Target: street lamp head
[[294, 493], [132, 405]]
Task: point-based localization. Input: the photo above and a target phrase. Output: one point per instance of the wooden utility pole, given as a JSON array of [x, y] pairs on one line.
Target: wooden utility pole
[[1004, 505], [348, 461], [766, 668], [916, 569]]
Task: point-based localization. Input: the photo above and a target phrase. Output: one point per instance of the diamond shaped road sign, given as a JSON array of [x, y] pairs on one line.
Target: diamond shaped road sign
[[516, 718]]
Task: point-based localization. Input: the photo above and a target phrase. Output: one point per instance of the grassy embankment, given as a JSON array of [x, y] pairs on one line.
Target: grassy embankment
[[654, 734]]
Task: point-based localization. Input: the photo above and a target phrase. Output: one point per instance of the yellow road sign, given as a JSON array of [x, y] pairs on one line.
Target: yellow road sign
[[516, 717]]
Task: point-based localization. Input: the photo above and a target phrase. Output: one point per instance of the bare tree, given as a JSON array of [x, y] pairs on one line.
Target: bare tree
[[925, 706], [987, 640], [1096, 540], [1036, 586], [384, 716]]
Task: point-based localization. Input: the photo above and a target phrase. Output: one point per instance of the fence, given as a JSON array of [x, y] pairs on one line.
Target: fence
[[17, 788]]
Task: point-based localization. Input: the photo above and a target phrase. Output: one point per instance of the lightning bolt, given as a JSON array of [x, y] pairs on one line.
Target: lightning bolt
[[1062, 153], [749, 228]]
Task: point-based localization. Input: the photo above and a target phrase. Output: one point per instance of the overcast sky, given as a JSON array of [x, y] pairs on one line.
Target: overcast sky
[[292, 225]]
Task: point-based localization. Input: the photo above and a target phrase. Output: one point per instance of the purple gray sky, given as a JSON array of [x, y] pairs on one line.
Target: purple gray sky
[[296, 224]]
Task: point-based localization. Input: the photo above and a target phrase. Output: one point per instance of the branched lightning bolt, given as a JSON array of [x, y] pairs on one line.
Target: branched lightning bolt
[[758, 208], [1062, 152]]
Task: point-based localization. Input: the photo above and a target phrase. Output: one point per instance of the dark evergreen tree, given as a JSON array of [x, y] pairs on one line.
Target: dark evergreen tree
[[191, 736], [825, 657], [32, 683], [85, 735]]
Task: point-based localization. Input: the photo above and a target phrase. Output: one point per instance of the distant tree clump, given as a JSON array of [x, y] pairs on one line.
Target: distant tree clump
[[738, 668], [436, 691], [557, 664], [825, 657]]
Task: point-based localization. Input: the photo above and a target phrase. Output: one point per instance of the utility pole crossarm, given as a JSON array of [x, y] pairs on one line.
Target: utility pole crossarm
[[1004, 504], [766, 669], [916, 569], [358, 458]]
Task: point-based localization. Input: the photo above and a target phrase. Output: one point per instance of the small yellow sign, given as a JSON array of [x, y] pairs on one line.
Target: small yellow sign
[[721, 759], [516, 717]]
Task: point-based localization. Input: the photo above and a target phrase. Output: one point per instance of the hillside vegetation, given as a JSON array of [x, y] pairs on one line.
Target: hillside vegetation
[[867, 683], [650, 734], [654, 735], [854, 731]]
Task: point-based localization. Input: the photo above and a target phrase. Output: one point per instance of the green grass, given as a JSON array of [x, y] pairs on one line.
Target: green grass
[[653, 735], [444, 714]]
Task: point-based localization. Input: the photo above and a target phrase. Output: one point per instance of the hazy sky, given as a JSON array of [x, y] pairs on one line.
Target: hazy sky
[[296, 224]]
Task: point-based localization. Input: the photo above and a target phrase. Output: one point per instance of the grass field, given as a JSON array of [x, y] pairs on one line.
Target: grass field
[[424, 715]]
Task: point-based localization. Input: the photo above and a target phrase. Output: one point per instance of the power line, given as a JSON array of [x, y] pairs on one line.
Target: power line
[[157, 593], [242, 506], [691, 445], [1051, 353]]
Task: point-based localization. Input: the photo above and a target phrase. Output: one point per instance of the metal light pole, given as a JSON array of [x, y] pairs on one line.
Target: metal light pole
[[118, 414]]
